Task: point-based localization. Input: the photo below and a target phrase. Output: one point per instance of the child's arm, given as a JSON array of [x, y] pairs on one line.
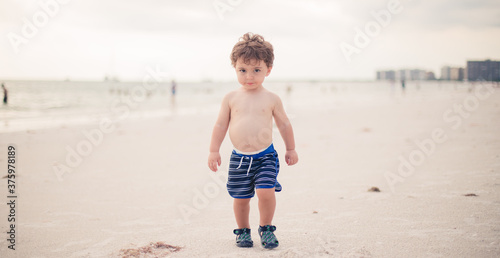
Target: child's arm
[[286, 132], [218, 134]]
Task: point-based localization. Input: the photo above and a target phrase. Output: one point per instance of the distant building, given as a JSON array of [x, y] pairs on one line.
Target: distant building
[[457, 74], [386, 75], [405, 74], [430, 76], [486, 70], [449, 73], [410, 74], [417, 75], [445, 73]]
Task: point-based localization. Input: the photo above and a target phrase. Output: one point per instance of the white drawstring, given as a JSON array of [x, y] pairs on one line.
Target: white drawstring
[[241, 160], [249, 166]]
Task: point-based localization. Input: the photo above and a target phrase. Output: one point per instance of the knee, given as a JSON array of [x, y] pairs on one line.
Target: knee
[[241, 202], [265, 194]]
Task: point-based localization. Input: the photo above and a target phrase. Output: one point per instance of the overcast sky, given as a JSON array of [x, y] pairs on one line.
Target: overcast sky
[[191, 40]]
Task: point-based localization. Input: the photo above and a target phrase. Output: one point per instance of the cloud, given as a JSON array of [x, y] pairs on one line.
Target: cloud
[[143, 16], [190, 32], [444, 14]]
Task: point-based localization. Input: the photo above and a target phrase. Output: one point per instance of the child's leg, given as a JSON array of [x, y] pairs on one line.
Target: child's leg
[[241, 212], [267, 205]]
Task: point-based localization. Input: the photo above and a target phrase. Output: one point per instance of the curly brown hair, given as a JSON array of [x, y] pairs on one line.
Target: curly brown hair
[[252, 46]]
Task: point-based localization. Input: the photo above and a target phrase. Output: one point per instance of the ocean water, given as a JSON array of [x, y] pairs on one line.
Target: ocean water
[[48, 104]]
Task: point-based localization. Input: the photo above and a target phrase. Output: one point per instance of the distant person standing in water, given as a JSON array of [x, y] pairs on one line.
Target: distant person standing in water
[[174, 87], [403, 84], [392, 85], [5, 96]]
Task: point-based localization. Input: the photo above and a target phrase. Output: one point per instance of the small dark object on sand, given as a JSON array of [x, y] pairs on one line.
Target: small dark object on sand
[[471, 194], [366, 129], [315, 212], [158, 249], [374, 189]]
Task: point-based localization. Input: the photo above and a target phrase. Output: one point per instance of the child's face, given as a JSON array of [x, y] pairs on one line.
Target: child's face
[[252, 75]]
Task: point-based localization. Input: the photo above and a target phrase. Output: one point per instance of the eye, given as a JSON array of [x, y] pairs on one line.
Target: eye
[[242, 70], [257, 70]]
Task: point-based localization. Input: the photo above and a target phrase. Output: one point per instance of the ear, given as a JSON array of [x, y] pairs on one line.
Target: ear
[[269, 71]]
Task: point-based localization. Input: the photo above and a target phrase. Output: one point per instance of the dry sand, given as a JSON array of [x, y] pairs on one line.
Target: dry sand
[[147, 181]]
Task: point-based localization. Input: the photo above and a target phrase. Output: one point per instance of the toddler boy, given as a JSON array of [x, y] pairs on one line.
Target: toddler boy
[[248, 113]]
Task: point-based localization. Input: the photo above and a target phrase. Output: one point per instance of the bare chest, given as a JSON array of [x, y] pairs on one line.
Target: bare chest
[[249, 107]]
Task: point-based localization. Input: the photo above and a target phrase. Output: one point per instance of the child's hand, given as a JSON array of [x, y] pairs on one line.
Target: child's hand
[[291, 157], [214, 161]]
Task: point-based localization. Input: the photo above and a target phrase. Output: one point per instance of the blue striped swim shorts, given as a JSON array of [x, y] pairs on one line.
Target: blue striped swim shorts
[[249, 172]]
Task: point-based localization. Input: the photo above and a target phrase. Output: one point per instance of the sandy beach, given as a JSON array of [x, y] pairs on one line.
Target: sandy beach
[[96, 190]]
